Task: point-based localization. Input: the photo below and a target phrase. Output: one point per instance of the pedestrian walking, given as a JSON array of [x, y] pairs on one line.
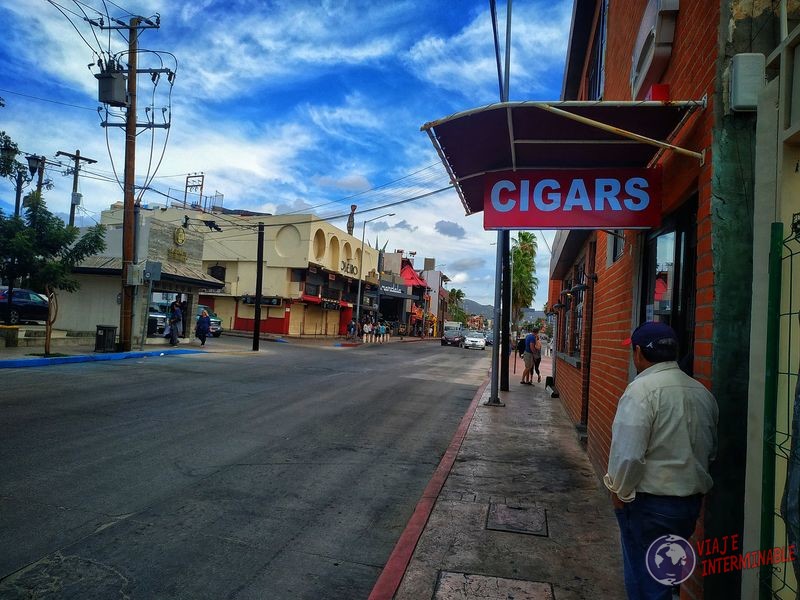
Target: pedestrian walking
[[367, 332], [536, 351], [203, 326], [382, 331], [175, 323], [663, 438], [351, 329]]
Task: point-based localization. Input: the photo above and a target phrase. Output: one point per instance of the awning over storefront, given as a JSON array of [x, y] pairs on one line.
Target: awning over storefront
[[548, 135], [111, 265], [411, 278], [311, 299]]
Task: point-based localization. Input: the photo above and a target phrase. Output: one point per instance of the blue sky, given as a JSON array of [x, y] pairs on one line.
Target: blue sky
[[285, 106]]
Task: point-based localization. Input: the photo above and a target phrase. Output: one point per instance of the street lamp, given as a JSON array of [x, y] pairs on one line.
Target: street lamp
[[36, 163], [361, 263]]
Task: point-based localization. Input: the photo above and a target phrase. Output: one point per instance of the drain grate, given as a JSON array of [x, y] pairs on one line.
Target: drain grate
[[519, 518]]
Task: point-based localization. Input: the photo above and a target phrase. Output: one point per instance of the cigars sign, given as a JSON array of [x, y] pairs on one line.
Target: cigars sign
[[572, 199]]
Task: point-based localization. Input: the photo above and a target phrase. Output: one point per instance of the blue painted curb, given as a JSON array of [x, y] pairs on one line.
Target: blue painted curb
[[18, 363]]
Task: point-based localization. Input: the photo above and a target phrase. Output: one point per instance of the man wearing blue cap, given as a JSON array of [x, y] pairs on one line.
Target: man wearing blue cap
[[663, 438]]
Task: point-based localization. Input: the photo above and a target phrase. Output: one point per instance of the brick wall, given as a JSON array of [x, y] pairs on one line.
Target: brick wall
[[690, 75]]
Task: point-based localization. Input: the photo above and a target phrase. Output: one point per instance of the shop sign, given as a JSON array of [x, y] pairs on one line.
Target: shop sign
[[572, 199], [348, 268], [392, 289]]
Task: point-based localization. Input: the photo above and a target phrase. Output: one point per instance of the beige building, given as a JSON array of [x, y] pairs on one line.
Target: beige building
[[174, 257], [310, 268]]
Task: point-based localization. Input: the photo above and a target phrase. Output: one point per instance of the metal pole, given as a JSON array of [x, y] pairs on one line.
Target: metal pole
[[18, 197], [128, 225], [360, 274], [147, 314], [259, 282], [772, 352], [505, 310], [508, 52], [494, 398]]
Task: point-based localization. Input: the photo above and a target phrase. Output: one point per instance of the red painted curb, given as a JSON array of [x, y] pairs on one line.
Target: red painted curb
[[395, 568]]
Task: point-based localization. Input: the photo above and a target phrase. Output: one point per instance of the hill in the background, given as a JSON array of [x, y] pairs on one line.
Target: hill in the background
[[487, 310], [473, 308]]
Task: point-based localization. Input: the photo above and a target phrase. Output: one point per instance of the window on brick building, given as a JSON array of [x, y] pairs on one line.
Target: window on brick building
[[595, 74], [668, 277], [577, 301], [616, 245]]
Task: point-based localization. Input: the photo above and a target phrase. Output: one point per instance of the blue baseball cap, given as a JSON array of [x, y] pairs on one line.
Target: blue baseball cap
[[651, 334]]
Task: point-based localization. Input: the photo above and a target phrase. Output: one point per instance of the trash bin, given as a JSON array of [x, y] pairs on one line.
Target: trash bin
[[106, 338]]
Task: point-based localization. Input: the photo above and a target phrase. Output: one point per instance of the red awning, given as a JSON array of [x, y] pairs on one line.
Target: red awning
[[411, 278], [443, 293], [311, 299], [547, 135]]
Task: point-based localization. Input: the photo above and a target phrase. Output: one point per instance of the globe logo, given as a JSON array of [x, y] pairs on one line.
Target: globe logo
[[670, 559]]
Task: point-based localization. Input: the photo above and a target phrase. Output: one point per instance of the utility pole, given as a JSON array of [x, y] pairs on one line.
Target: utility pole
[[259, 282], [128, 220], [112, 91], [77, 158]]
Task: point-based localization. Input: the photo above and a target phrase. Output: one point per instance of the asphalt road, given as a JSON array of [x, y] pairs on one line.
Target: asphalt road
[[288, 473]]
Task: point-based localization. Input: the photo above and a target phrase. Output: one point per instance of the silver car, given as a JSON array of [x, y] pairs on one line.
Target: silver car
[[474, 339]]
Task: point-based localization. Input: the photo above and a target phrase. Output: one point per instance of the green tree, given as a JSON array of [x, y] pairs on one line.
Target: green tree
[[455, 305], [524, 282], [43, 251]]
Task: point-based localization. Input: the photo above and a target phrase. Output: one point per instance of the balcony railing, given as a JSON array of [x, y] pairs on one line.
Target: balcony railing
[[225, 290]]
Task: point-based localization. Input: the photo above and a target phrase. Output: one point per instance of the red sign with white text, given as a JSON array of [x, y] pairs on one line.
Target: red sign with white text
[[572, 199]]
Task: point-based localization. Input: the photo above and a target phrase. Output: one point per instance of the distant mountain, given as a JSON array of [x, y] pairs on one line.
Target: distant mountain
[[530, 314], [473, 308], [487, 310]]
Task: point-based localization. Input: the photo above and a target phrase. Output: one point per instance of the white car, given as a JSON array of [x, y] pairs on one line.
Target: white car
[[474, 339]]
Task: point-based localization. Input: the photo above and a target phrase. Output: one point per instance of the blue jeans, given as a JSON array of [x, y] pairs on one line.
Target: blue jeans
[[641, 522]]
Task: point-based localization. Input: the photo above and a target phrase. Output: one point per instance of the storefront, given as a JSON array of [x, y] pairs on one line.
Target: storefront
[[567, 166]]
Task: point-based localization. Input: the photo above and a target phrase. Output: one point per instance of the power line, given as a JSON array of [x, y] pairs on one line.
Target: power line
[[47, 100]]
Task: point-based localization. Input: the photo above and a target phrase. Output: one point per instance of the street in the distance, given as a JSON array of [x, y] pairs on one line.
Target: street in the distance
[[286, 473]]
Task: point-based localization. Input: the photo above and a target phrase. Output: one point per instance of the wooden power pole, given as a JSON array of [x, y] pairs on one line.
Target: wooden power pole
[[77, 158]]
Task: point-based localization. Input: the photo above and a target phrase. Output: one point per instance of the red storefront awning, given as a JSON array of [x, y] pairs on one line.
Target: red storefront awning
[[554, 135], [411, 278], [311, 299]]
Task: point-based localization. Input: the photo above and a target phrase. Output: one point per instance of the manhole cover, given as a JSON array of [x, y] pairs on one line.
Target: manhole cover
[[463, 586], [517, 519]]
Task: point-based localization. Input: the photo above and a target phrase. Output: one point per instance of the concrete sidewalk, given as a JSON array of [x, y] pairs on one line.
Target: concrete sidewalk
[[521, 513]]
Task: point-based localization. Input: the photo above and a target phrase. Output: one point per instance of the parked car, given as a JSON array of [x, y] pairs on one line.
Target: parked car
[[157, 321], [26, 305], [216, 322], [452, 337], [474, 339], [489, 337]]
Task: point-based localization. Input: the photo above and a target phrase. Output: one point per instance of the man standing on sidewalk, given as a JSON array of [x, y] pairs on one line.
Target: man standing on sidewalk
[[663, 438]]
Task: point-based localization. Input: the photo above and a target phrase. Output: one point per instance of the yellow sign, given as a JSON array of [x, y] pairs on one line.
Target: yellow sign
[[179, 236]]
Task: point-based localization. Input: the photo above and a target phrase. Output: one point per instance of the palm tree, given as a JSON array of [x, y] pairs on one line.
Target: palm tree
[[455, 301], [524, 282]]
